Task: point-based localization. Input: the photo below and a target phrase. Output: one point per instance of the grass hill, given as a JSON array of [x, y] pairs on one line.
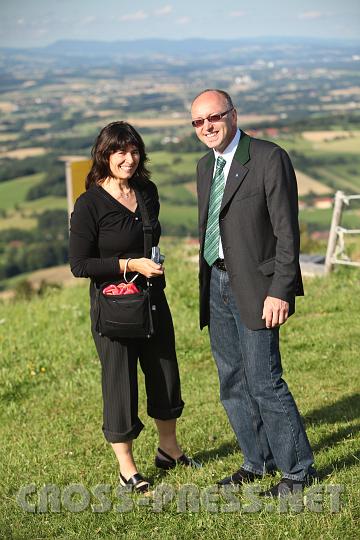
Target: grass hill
[[50, 424]]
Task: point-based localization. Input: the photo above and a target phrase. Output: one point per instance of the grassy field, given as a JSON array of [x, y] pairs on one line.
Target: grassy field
[[178, 216], [14, 191], [322, 217], [24, 216], [166, 167], [343, 175], [45, 203], [51, 419]]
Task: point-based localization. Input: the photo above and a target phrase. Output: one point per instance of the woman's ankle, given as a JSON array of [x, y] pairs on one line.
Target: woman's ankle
[[173, 450]]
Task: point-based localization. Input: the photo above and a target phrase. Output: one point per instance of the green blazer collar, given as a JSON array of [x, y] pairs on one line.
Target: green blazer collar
[[242, 153]]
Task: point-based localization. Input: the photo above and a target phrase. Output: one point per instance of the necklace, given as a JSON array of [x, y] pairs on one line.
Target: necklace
[[121, 194], [125, 195]]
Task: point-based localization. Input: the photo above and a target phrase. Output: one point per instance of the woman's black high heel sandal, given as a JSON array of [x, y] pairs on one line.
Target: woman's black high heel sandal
[[136, 483], [170, 463]]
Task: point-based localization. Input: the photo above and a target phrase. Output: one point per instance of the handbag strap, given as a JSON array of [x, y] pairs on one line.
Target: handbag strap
[[147, 228]]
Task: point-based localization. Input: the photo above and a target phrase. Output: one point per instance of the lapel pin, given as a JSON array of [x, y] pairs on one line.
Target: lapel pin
[[236, 175]]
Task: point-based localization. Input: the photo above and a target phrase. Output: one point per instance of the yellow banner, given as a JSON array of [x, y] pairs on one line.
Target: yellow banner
[[76, 172]]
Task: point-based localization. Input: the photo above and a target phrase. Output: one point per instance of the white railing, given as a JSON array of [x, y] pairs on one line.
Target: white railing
[[335, 253]]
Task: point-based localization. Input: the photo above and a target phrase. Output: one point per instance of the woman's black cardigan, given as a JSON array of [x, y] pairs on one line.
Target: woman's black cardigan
[[102, 231]]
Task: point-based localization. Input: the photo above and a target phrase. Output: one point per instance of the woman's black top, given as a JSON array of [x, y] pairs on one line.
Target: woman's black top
[[102, 231]]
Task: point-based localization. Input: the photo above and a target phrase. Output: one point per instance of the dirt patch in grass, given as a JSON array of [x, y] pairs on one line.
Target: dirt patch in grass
[[345, 91], [60, 275], [7, 107], [250, 119], [22, 153], [158, 122], [37, 125], [307, 184], [8, 137], [323, 136], [191, 186], [57, 274]]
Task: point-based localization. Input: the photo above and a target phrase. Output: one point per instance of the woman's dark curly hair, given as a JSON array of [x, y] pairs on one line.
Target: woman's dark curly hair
[[113, 137]]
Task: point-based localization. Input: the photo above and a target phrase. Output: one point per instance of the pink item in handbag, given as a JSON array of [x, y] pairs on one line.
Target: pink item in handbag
[[122, 288]]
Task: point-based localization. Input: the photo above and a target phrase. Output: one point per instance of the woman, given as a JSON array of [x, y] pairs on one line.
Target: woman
[[106, 238]]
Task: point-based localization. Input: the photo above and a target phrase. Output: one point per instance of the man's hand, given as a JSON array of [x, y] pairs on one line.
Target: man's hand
[[275, 311]]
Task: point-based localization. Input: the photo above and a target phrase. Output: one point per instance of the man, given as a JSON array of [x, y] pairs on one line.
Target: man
[[249, 277]]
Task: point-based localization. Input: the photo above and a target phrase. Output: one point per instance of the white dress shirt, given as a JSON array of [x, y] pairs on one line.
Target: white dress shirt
[[228, 155]]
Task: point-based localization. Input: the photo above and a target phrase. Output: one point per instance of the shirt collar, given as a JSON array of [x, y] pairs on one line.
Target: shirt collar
[[230, 149]]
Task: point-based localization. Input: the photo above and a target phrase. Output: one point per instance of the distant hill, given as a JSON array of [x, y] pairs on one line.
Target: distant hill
[[184, 48]]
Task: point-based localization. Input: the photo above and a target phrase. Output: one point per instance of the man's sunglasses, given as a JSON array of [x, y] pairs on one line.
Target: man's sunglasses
[[212, 118]]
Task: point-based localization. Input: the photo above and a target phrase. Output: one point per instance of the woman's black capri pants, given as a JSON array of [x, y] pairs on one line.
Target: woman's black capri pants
[[158, 362]]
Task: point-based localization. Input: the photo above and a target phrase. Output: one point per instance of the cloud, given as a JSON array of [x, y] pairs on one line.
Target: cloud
[[41, 32], [165, 10], [310, 15], [136, 16], [237, 14], [87, 20], [183, 20]]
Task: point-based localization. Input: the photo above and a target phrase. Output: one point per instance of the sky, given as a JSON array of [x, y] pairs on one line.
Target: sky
[[33, 23]]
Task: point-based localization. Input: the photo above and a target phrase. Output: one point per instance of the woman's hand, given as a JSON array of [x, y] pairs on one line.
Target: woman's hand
[[146, 267]]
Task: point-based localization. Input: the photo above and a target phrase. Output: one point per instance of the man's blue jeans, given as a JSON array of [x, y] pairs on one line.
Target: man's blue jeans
[[260, 407]]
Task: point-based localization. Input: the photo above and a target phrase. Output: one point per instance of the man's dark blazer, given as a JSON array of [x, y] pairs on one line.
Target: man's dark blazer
[[258, 226]]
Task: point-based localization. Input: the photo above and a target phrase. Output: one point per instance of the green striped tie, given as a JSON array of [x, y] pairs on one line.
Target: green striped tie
[[212, 236]]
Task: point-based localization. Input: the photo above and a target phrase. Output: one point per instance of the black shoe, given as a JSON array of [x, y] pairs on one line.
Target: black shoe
[[170, 463], [136, 481], [284, 488], [239, 477]]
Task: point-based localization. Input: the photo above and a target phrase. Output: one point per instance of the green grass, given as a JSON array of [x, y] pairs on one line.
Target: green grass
[[45, 203], [166, 167], [14, 191], [321, 218], [23, 217], [51, 415], [179, 194], [295, 142], [178, 216]]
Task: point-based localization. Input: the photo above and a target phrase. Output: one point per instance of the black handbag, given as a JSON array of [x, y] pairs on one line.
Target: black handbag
[[130, 315]]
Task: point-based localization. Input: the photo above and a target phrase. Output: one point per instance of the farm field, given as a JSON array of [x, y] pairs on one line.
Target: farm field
[[307, 185], [24, 215], [175, 173], [51, 111], [17, 221], [348, 143], [13, 192], [23, 153]]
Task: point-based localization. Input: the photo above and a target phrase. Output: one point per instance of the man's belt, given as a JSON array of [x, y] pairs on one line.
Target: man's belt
[[220, 264]]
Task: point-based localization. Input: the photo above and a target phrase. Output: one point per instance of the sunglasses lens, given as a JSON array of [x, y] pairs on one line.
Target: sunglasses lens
[[212, 119]]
